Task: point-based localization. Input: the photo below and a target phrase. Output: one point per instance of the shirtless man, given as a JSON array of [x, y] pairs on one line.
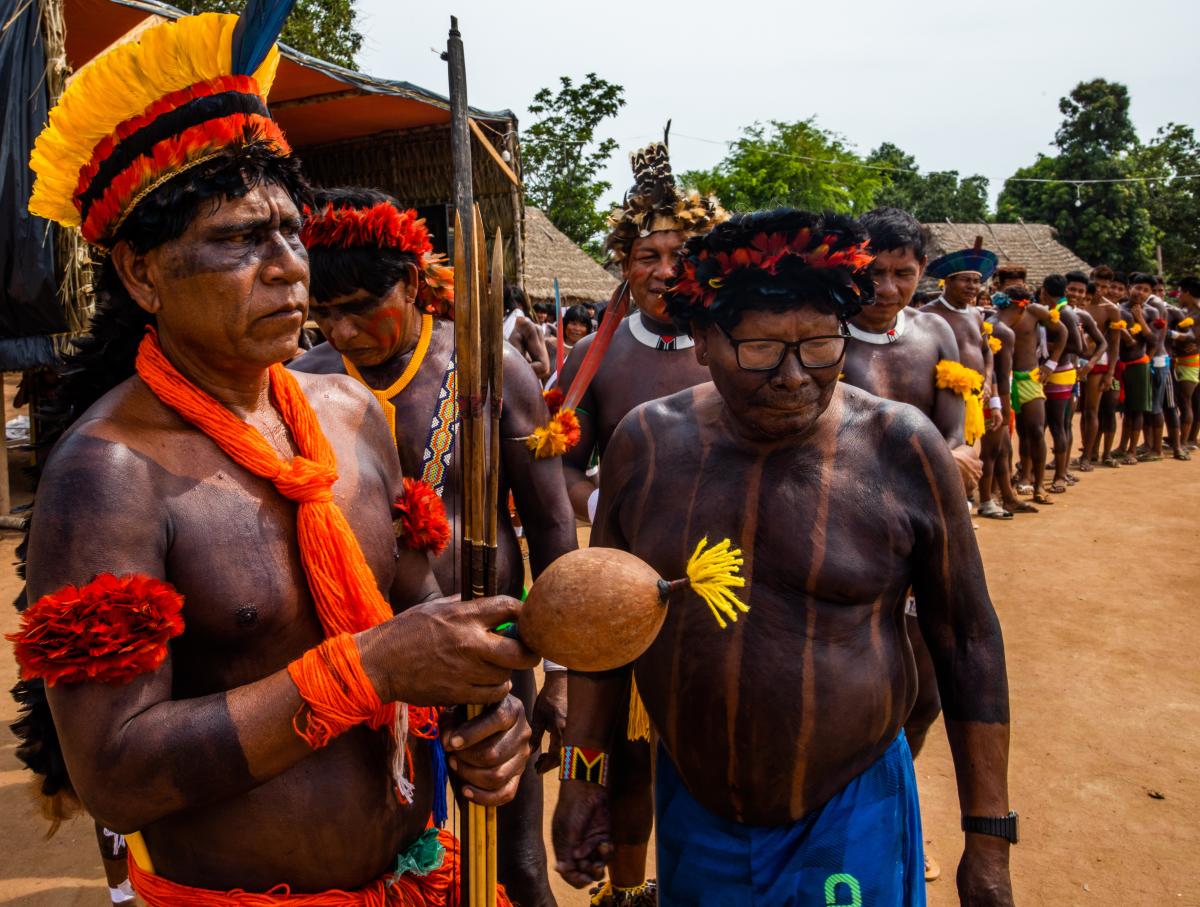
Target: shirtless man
[[1094, 348], [1060, 383], [1137, 351], [1163, 413], [1099, 415], [524, 333], [382, 306], [241, 748], [894, 352], [964, 272], [792, 716], [996, 448], [648, 358], [1023, 316], [1185, 340]]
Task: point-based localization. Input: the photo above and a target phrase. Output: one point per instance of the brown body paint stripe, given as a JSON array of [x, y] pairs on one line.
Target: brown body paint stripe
[[736, 631], [808, 692]]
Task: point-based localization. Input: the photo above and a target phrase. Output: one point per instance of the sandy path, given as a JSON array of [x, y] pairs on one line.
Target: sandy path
[[1101, 615]]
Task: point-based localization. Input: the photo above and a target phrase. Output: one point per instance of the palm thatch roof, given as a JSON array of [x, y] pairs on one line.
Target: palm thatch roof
[[1033, 246], [549, 253]]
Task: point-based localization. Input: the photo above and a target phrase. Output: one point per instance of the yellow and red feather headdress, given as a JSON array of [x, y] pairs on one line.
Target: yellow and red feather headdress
[[148, 110]]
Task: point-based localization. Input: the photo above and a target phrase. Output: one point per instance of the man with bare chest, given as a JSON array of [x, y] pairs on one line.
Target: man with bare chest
[[783, 775], [1016, 310], [1061, 380], [1098, 417], [226, 622], [898, 353], [523, 333], [996, 449], [648, 358], [963, 273], [1185, 351], [381, 299]]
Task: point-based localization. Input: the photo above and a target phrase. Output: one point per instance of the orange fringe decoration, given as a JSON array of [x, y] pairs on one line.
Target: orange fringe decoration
[[554, 399], [342, 584], [558, 436], [331, 680], [434, 889]]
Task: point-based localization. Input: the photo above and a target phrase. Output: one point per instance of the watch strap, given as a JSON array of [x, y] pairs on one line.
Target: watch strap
[[997, 826]]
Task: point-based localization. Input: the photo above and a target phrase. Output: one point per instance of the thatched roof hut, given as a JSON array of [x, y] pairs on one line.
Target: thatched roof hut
[[549, 253], [1033, 246]]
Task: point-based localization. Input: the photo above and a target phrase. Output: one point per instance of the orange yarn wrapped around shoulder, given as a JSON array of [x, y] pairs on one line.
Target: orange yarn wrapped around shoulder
[[109, 630]]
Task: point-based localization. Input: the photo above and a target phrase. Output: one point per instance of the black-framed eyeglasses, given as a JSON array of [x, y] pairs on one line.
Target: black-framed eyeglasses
[[764, 355]]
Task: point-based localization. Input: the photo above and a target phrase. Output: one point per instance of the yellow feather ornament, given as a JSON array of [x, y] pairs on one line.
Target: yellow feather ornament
[[122, 84]]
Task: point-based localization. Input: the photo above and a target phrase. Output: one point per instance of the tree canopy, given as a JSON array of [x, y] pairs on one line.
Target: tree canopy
[[797, 164], [320, 28], [562, 157], [1106, 222], [932, 196]]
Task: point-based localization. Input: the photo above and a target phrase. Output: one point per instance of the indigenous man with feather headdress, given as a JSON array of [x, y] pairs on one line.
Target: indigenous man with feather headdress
[[783, 775], [214, 571], [648, 358], [384, 302]]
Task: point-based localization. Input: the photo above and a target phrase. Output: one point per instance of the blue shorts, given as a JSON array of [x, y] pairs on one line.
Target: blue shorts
[[861, 849]]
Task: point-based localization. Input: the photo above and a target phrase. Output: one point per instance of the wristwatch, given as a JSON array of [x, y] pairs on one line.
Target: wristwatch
[[997, 826]]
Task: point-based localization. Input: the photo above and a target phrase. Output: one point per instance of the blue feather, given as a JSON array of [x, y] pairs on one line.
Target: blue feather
[[258, 28]]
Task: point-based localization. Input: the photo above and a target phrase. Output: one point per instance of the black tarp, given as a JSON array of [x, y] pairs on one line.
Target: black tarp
[[29, 305]]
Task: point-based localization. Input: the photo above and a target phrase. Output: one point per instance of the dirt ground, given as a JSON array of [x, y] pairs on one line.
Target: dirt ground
[[1098, 598]]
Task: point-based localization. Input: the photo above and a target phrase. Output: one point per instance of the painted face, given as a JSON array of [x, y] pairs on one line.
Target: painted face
[[233, 289], [368, 330], [961, 289], [775, 404], [649, 266], [1076, 292], [895, 274], [574, 331]]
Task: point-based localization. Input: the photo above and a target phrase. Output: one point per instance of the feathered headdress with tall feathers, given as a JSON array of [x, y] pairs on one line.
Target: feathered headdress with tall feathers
[[654, 203], [182, 93]]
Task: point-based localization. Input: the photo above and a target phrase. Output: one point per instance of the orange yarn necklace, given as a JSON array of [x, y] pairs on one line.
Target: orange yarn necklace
[[343, 587]]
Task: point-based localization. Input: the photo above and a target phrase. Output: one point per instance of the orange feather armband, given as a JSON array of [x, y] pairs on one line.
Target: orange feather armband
[[556, 437], [108, 631], [336, 690], [420, 521]]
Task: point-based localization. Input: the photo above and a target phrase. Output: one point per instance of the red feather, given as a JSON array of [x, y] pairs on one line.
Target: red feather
[[108, 631], [421, 522]]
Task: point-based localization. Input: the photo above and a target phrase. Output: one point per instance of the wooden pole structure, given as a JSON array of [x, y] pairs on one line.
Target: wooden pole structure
[[477, 342]]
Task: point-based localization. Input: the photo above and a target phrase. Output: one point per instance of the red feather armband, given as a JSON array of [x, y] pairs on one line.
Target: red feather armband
[[108, 631], [420, 521]]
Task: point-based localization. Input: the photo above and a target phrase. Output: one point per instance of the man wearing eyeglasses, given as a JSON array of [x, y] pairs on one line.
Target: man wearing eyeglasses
[[783, 775]]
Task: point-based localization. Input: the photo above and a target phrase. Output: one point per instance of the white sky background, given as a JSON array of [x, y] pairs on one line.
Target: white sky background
[[964, 86]]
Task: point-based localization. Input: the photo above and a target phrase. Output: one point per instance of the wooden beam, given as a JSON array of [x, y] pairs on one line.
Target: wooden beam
[[491, 149]]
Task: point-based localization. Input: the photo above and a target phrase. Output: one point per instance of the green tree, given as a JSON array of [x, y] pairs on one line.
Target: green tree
[[562, 158], [930, 196], [796, 164], [1102, 222], [1174, 204], [320, 28]]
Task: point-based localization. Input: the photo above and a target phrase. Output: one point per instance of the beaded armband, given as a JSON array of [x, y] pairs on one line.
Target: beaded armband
[[581, 763], [108, 631]]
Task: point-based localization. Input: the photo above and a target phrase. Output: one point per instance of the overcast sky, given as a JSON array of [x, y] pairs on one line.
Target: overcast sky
[[962, 86]]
